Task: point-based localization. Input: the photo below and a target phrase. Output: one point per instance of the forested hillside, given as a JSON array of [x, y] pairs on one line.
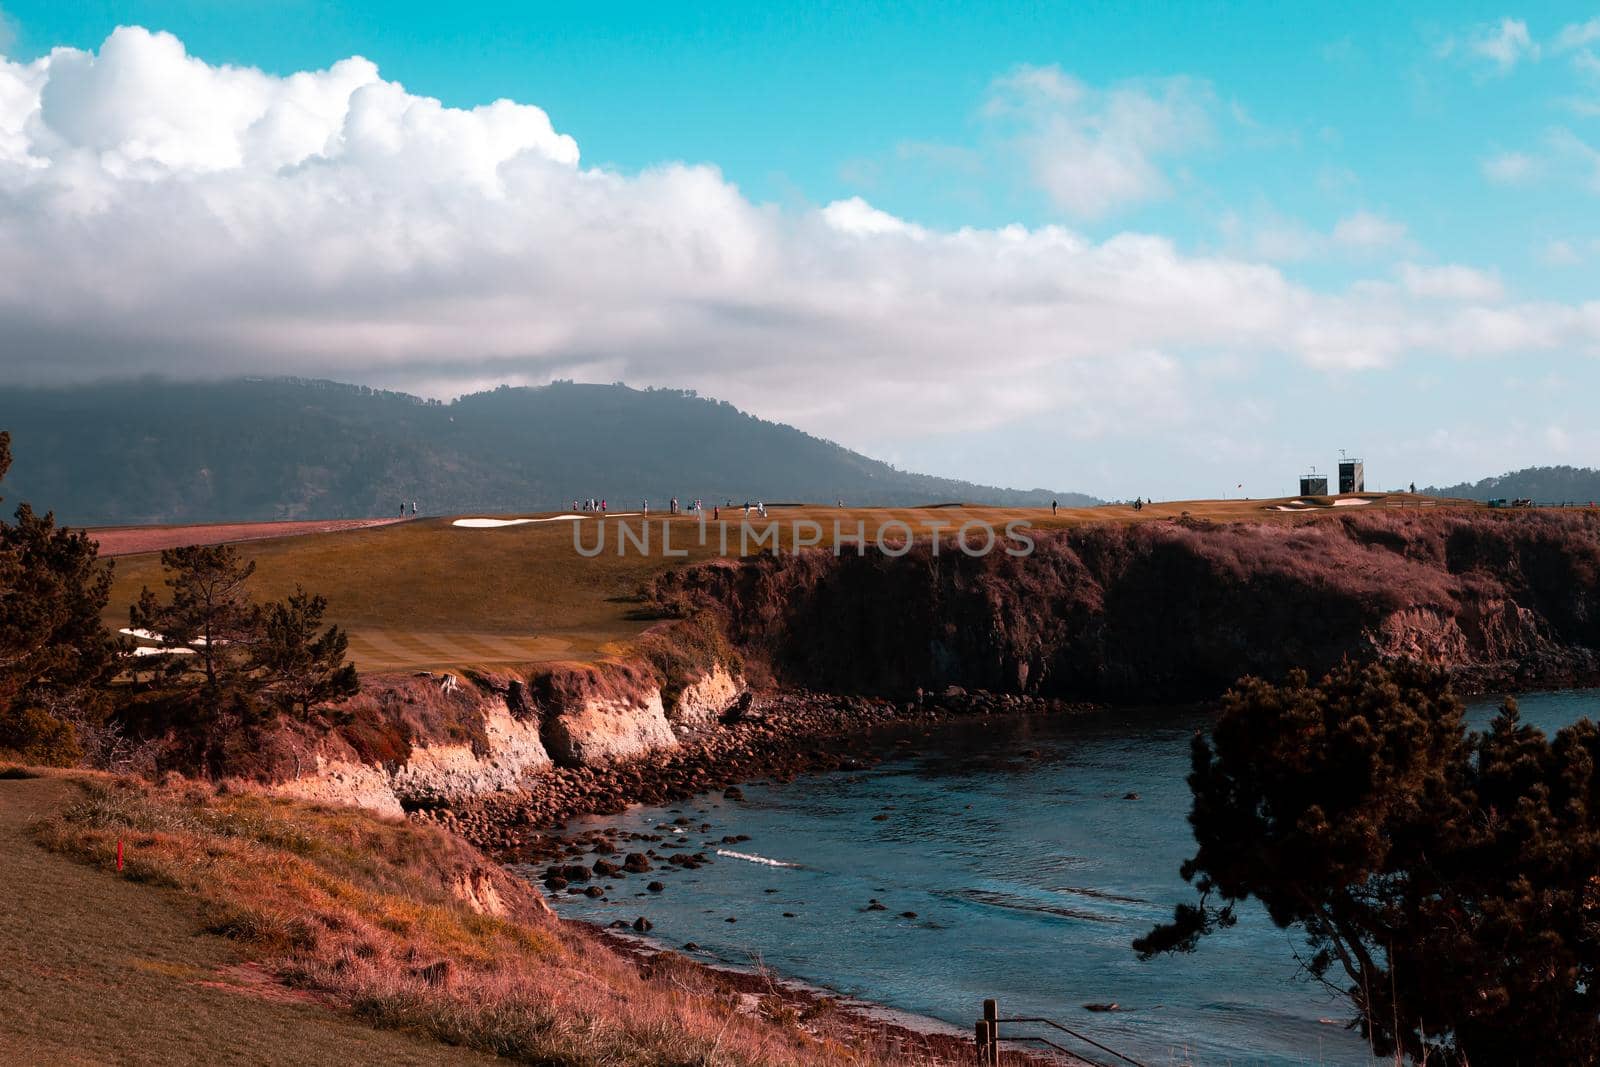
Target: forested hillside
[[157, 451], [1547, 485]]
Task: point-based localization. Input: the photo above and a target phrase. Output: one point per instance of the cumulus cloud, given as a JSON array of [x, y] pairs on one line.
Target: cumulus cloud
[[161, 214], [1093, 151]]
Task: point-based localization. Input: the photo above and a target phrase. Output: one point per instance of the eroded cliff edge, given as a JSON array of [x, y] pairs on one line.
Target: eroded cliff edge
[[433, 740], [1159, 611], [1178, 610]]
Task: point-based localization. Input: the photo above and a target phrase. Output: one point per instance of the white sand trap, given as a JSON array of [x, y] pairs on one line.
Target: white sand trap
[[146, 650], [1351, 502], [492, 524], [151, 635], [1286, 507]]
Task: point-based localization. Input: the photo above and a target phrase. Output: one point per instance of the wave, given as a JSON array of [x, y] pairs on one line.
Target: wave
[[1098, 894], [752, 858], [991, 899]]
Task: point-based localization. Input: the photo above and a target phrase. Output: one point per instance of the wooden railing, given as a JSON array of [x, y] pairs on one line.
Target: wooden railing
[[988, 1038]]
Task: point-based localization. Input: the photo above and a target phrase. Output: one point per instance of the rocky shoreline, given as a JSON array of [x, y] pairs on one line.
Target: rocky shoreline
[[891, 1033], [778, 734], [775, 735]]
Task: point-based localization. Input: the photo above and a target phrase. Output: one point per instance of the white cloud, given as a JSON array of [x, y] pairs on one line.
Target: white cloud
[[1367, 230], [162, 215], [1093, 151], [1583, 157], [856, 216], [1577, 35], [1569, 252], [1560, 254], [1510, 168], [1450, 282], [1503, 44]]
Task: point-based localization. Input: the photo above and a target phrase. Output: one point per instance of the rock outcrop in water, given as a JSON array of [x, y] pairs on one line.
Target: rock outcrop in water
[[1173, 610]]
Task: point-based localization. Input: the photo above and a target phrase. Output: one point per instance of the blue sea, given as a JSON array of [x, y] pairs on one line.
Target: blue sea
[[1028, 868]]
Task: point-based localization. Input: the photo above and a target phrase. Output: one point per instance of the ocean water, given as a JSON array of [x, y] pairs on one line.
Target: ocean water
[[1028, 869]]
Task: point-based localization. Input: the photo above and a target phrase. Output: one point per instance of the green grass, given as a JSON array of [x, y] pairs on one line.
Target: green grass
[[428, 594]]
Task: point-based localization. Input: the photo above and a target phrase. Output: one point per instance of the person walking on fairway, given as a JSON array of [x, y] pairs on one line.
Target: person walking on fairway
[[1052, 508]]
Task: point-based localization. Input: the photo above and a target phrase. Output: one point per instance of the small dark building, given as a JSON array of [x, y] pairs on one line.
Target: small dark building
[[1313, 485], [1352, 476]]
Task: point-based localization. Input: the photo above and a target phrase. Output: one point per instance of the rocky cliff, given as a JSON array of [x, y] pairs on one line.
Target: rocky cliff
[[1145, 612], [433, 740], [1173, 610]]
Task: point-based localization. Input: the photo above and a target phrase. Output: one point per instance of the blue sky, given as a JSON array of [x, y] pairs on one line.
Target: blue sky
[[1444, 150]]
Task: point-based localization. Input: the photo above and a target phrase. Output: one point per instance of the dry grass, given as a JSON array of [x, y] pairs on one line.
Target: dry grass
[[427, 594], [360, 911], [96, 969]]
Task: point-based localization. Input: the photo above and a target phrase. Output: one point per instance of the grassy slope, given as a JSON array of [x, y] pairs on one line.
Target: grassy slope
[[96, 969], [344, 908], [428, 594]]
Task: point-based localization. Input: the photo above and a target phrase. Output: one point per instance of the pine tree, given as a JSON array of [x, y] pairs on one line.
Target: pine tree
[[228, 658], [207, 627], [56, 657], [1447, 879], [302, 665]]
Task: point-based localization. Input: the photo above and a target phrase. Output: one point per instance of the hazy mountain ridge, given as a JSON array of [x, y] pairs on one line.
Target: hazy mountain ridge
[[158, 451], [1543, 484]]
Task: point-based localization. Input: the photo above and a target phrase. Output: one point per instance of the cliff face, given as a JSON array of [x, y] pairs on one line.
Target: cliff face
[[437, 770], [432, 740], [591, 714], [1175, 610], [1148, 612]]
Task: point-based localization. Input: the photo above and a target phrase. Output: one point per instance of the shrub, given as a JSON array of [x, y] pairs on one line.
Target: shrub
[[37, 737]]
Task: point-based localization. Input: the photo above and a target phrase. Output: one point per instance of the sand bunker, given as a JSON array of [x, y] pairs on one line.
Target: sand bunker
[[1344, 502], [493, 524], [151, 635]]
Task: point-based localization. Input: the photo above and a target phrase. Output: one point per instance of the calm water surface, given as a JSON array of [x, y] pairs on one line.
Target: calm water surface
[[1028, 872]]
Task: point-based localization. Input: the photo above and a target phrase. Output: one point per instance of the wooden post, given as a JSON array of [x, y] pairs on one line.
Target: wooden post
[[991, 1016], [982, 1042]]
